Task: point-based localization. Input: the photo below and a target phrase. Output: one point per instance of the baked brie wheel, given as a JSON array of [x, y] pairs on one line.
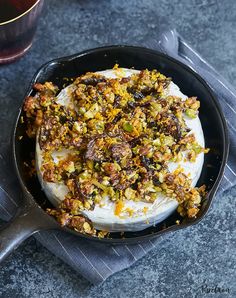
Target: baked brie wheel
[[103, 194]]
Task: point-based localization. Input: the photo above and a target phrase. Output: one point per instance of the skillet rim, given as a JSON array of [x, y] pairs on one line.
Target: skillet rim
[[136, 239]]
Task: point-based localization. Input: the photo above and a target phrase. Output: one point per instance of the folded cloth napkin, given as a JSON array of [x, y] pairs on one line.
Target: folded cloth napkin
[[96, 262]]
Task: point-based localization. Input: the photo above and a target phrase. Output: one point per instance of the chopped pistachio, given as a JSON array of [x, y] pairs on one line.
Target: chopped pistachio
[[191, 113], [128, 127]]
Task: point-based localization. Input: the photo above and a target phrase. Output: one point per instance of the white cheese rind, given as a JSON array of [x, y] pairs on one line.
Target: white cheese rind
[[103, 218]]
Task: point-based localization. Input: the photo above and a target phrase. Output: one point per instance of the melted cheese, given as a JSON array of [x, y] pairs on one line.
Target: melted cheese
[[133, 216]]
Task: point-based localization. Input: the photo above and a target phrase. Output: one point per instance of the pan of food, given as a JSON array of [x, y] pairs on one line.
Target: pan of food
[[117, 144]]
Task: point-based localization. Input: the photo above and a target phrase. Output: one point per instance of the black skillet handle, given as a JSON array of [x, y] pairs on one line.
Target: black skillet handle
[[27, 221]]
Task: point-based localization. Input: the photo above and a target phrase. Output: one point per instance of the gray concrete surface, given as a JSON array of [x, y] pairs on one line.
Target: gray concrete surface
[[186, 263]]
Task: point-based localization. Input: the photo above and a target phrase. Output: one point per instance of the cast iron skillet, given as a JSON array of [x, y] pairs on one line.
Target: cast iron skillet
[[31, 217]]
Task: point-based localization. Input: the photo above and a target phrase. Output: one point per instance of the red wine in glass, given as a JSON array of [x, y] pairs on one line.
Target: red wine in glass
[[18, 21]]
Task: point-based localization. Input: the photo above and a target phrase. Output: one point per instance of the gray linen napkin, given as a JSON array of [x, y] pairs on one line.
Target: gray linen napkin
[[96, 262]]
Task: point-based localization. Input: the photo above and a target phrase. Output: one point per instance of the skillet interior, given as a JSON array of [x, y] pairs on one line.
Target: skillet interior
[[60, 70]]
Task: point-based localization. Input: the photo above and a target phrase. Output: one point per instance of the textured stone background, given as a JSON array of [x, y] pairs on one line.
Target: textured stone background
[[203, 254]]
